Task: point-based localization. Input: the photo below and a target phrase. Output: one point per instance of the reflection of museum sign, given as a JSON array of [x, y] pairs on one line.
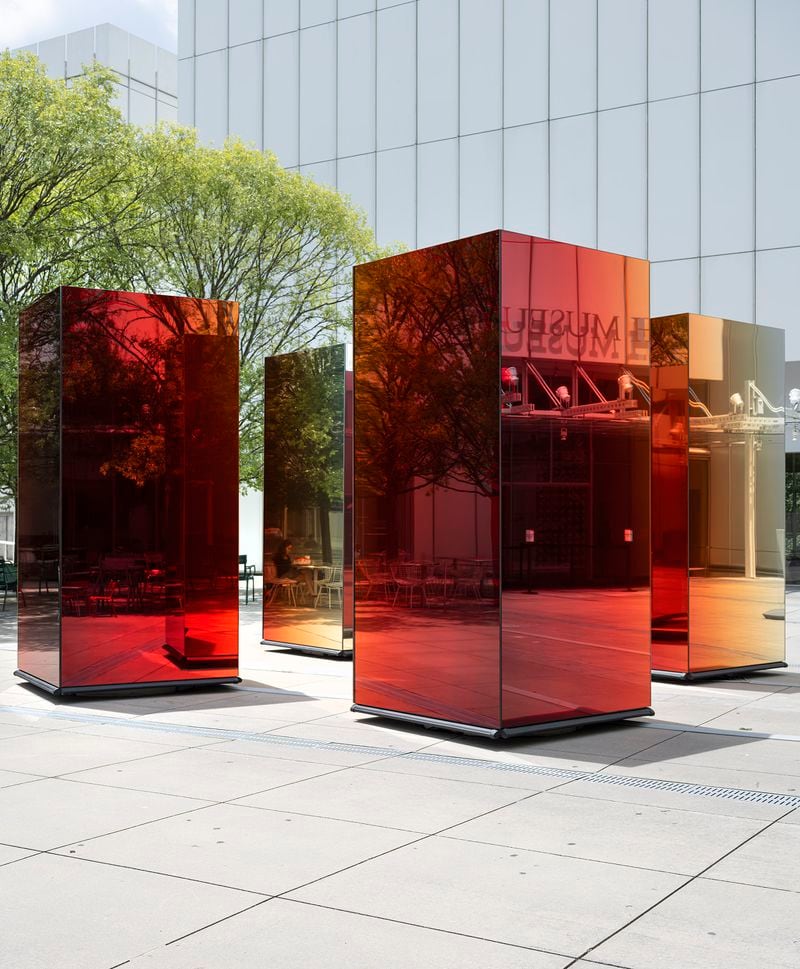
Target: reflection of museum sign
[[568, 335]]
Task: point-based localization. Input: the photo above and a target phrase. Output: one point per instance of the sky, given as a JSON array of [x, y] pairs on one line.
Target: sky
[[25, 21]]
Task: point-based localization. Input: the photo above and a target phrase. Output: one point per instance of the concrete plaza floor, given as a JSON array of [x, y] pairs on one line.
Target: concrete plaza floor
[[267, 826]]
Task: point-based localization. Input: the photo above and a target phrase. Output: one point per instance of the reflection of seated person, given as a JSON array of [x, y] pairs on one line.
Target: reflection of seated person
[[284, 569]]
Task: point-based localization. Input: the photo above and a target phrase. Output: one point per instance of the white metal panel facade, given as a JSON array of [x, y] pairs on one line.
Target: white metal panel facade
[[667, 129]]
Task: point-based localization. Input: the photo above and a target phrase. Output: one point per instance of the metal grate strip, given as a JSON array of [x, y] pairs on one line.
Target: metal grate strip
[[221, 733]]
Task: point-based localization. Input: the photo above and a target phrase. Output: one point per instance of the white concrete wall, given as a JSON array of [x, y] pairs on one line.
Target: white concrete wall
[[666, 129]]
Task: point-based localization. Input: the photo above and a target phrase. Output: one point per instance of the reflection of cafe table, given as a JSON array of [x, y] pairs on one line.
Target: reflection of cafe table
[[304, 611]]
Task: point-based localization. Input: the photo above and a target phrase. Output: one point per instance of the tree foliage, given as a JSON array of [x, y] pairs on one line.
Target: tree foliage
[[88, 200]]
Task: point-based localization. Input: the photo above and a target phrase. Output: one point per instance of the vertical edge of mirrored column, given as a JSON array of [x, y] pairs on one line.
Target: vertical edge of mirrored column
[[38, 487], [669, 383]]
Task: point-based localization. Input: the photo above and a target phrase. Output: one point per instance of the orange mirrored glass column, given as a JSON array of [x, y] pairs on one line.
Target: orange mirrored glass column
[[718, 496], [575, 502], [307, 502], [501, 457], [133, 401]]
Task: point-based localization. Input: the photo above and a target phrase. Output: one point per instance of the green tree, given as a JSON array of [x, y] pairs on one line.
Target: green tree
[[86, 199], [231, 224], [66, 174]]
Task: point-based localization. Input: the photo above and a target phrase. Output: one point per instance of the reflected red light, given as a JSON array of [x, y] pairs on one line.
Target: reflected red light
[[128, 506]]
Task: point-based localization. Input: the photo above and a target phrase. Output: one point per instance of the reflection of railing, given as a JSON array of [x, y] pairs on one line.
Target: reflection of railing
[[7, 550]]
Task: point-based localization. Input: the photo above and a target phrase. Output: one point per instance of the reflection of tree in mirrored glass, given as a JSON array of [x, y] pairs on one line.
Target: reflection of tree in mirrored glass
[[427, 365], [304, 437]]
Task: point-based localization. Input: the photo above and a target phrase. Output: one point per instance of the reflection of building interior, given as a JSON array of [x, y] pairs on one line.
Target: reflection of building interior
[[718, 486], [576, 436]]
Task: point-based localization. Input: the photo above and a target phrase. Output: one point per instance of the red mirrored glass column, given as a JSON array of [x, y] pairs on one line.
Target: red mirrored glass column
[[307, 502], [502, 449], [426, 365], [718, 465], [575, 428], [145, 586]]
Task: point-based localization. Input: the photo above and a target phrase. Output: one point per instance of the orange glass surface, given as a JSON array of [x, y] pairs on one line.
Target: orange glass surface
[[718, 462], [306, 516], [148, 490], [575, 508], [426, 363]]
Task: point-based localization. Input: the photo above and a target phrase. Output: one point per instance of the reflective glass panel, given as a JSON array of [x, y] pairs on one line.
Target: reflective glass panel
[[575, 429], [426, 503], [38, 505], [728, 468], [306, 524], [149, 489]]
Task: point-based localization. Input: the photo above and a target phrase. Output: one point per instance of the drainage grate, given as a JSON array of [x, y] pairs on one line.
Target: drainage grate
[[221, 733]]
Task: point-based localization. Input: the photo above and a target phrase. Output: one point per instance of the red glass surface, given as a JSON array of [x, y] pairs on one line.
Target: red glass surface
[[719, 470], [575, 454], [307, 581], [426, 364], [149, 489]]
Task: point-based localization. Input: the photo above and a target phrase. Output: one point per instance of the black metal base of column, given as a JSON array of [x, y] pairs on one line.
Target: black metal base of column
[[173, 685], [344, 653], [503, 733], [727, 672]]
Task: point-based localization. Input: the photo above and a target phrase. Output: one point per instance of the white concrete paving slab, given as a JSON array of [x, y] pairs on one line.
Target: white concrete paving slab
[[292, 935], [56, 752], [411, 802], [71, 914], [771, 860], [10, 853], [510, 895], [663, 839], [732, 753], [9, 777], [203, 772], [711, 925], [269, 852], [56, 812]]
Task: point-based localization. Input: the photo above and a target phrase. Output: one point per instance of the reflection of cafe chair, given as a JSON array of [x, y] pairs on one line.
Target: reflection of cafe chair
[[8, 579], [408, 579], [104, 602], [440, 581], [331, 582], [372, 574], [469, 580]]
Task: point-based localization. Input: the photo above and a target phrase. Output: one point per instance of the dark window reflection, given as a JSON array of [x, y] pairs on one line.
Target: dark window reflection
[[719, 465], [149, 482], [575, 432], [306, 528]]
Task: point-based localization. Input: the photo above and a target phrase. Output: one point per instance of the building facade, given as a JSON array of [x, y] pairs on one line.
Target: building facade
[[147, 89], [663, 129]]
